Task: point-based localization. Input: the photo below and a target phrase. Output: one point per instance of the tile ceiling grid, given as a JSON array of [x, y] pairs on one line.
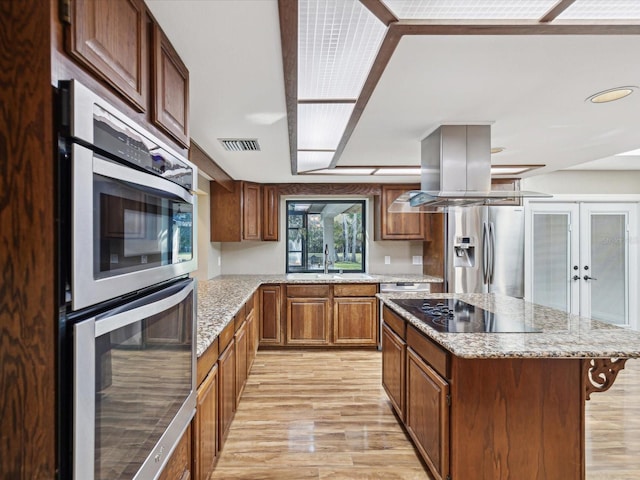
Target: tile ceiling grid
[[602, 10], [469, 9]]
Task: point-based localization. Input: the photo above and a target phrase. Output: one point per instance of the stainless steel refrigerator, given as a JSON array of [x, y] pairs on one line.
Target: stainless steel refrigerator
[[484, 250]]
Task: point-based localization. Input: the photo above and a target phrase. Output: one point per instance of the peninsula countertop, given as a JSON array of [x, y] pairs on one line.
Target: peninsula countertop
[[562, 335], [220, 298]]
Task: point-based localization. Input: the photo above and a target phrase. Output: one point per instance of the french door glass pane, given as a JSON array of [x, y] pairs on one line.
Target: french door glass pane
[[608, 266], [551, 260]]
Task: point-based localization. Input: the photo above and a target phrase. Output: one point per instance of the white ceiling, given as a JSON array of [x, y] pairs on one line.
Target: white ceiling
[[532, 89]]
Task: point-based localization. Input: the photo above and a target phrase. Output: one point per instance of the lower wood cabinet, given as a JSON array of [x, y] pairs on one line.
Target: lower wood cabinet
[[178, 466], [241, 341], [205, 427], [252, 339], [355, 321], [427, 414], [270, 318], [394, 354], [308, 321], [226, 393]]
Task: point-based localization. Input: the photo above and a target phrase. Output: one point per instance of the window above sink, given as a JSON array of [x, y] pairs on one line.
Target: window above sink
[[325, 233]]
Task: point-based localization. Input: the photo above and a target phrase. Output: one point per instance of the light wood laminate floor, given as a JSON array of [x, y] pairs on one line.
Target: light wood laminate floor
[[323, 414]]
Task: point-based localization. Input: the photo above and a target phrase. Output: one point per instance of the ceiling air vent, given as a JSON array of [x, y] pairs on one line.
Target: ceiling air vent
[[240, 144]]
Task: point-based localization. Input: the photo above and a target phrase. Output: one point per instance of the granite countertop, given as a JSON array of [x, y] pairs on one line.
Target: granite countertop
[[220, 298], [563, 335]]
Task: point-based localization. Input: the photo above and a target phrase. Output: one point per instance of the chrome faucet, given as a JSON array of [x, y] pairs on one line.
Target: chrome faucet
[[326, 258]]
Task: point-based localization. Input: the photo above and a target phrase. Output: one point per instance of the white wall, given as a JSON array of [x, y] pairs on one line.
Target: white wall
[[269, 257], [208, 252], [585, 182]]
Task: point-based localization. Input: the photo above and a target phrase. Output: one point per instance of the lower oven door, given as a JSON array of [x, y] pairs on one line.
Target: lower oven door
[[130, 229], [134, 385]]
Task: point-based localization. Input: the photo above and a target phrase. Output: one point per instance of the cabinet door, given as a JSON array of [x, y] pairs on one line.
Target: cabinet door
[[427, 414], [170, 89], [179, 464], [241, 360], [399, 226], [251, 211], [270, 331], [355, 321], [270, 212], [205, 427], [110, 39], [252, 340], [394, 352], [307, 321], [227, 396]]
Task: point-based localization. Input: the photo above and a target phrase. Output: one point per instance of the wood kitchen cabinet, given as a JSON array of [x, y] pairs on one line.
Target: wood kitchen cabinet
[[226, 393], [170, 89], [507, 185], [270, 319], [253, 329], [427, 413], [394, 354], [205, 427], [270, 212], [241, 345], [308, 315], [110, 40], [236, 214], [355, 315], [398, 226], [179, 464]]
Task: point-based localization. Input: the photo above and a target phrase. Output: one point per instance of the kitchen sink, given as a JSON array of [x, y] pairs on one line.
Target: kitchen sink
[[328, 276]]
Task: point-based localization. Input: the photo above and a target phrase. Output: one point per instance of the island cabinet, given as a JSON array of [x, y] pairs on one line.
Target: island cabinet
[[270, 300], [236, 214], [398, 226], [394, 355], [355, 314], [120, 42], [498, 418], [308, 315]]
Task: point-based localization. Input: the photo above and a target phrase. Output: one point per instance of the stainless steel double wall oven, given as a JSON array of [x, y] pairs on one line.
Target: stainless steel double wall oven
[[126, 363]]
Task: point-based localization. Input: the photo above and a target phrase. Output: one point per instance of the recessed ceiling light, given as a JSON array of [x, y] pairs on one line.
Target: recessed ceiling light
[[611, 94], [497, 150]]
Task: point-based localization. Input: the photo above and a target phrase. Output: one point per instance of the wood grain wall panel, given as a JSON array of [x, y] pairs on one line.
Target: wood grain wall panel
[[27, 250]]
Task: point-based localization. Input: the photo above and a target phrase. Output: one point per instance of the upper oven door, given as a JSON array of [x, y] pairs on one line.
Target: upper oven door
[[130, 229]]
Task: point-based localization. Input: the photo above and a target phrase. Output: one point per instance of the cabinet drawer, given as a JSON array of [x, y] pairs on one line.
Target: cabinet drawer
[[395, 323], [226, 335], [431, 353], [355, 290], [308, 291], [206, 361]]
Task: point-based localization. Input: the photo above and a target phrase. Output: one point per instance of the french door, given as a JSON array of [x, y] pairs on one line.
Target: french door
[[582, 258]]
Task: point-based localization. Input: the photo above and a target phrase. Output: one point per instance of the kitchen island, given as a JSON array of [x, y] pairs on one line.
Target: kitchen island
[[500, 405]]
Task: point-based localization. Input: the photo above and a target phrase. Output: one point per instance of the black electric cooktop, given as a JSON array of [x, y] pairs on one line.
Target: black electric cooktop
[[455, 316]]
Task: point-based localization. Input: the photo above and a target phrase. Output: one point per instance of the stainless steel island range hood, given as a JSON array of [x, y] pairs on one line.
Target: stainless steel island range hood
[[455, 171]]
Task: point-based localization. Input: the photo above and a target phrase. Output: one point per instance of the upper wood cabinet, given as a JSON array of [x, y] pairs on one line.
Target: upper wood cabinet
[[398, 226], [270, 212], [507, 185], [236, 214], [110, 39], [120, 42], [170, 89]]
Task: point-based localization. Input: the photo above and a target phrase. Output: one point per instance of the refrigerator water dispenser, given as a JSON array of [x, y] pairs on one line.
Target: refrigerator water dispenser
[[464, 253]]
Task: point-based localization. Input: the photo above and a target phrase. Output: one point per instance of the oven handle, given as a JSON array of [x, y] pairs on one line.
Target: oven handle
[[119, 172], [142, 308]]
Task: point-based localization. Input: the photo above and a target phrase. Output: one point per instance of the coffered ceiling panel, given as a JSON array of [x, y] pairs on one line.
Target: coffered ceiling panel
[[469, 9], [602, 10]]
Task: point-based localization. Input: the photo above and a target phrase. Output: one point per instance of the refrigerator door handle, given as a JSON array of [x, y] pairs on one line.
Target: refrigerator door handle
[[492, 251], [485, 254]]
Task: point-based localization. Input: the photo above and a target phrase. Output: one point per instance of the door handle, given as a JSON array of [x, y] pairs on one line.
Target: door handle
[[485, 260], [492, 252], [576, 277], [587, 277]]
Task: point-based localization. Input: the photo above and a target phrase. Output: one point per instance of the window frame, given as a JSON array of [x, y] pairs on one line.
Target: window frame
[[304, 253]]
